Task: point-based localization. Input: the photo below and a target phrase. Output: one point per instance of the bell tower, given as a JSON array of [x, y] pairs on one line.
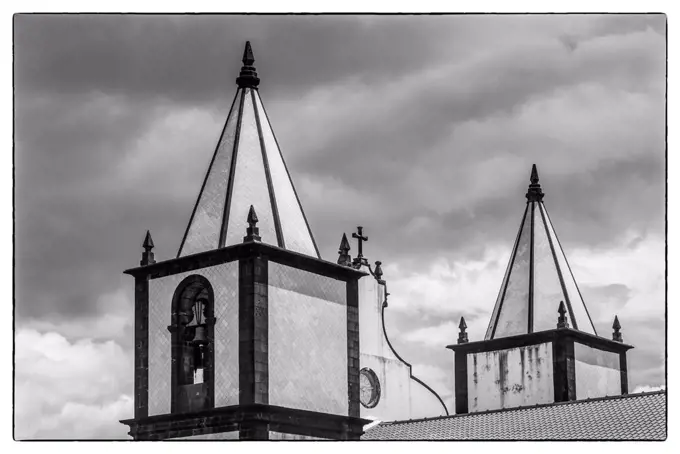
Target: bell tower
[[541, 345], [247, 333]]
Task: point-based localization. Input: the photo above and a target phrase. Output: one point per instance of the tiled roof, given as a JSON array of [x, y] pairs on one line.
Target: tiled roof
[[631, 417]]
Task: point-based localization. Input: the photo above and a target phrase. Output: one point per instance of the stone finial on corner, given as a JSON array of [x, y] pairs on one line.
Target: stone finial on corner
[[378, 270], [147, 255], [616, 335], [252, 232], [562, 321], [343, 252], [462, 336]]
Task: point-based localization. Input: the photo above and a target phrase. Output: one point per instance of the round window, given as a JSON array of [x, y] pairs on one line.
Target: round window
[[369, 387]]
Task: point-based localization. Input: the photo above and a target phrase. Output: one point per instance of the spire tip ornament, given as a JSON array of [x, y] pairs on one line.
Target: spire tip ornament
[[535, 193], [248, 58], [534, 174], [248, 76]]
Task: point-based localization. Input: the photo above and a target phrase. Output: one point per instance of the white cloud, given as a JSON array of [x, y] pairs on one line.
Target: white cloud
[[445, 286], [648, 389], [70, 389], [640, 268], [437, 378]]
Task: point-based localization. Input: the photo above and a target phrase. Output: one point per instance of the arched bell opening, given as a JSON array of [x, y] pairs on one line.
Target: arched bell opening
[[192, 327]]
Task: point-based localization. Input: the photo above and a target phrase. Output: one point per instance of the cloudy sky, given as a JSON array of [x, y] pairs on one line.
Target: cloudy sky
[[421, 129]]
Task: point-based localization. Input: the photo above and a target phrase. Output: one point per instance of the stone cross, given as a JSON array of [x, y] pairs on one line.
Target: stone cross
[[360, 239]]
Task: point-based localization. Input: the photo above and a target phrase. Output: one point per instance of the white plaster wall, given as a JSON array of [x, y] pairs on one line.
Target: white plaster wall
[[224, 280], [401, 397], [284, 436], [233, 435], [597, 372], [424, 404], [307, 342], [510, 378]]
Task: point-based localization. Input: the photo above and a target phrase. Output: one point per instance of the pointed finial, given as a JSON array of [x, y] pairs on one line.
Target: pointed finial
[[248, 76], [378, 270], [462, 336], [616, 335], [343, 252], [562, 321], [252, 217], [534, 174], [147, 255], [535, 194], [252, 232], [248, 58], [148, 242]]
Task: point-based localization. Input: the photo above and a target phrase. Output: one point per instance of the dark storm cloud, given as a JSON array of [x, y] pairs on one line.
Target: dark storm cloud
[[194, 58], [90, 88]]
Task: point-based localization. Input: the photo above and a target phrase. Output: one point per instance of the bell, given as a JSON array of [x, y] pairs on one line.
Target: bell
[[201, 336]]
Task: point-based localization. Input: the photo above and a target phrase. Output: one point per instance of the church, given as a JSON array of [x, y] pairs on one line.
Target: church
[[248, 334]]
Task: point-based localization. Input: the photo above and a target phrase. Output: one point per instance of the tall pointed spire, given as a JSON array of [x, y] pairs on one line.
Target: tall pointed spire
[[247, 169], [537, 276]]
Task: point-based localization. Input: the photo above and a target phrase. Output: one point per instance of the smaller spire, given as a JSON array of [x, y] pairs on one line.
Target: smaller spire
[[343, 252], [562, 321], [252, 232], [147, 255], [616, 335], [378, 270], [535, 193], [462, 336], [248, 76]]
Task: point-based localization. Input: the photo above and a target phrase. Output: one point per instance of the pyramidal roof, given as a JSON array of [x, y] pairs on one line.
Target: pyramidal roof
[[537, 279], [247, 169]]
